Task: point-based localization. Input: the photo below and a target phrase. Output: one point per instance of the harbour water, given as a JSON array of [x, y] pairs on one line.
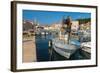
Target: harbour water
[[43, 54]]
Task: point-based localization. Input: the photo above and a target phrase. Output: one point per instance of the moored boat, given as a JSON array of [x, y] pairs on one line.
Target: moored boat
[[63, 45], [63, 48], [86, 49]]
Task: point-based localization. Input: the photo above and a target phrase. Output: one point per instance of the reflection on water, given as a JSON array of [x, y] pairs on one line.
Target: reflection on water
[[42, 47], [43, 54]]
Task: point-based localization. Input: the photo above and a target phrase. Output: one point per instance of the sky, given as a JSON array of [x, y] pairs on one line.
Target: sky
[[50, 17]]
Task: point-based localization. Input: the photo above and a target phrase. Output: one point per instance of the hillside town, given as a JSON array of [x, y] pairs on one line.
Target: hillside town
[[30, 27]]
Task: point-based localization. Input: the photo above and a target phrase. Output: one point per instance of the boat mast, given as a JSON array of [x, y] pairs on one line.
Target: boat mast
[[68, 29], [60, 32]]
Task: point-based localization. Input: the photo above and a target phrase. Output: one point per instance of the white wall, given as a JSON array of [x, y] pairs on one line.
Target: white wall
[[5, 37]]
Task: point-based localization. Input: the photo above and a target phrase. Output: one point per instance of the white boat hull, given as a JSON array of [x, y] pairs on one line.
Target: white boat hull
[[65, 50], [62, 53]]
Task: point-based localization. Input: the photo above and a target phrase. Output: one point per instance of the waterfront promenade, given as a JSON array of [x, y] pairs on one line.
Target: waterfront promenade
[[29, 49]]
